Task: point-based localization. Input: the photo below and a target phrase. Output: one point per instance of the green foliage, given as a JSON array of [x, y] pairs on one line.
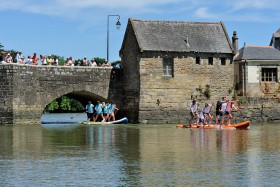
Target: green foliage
[[1, 47], [53, 106], [207, 91], [199, 89], [99, 61], [61, 60], [64, 104], [241, 100]]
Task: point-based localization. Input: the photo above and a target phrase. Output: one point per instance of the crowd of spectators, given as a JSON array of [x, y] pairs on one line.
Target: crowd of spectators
[[6, 57]]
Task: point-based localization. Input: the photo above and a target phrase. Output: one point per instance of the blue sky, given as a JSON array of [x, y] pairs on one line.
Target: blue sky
[[78, 28]]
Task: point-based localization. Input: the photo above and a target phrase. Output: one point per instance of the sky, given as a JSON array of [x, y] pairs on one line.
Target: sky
[[78, 28]]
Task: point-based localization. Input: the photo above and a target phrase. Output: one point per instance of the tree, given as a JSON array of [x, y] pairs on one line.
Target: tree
[[64, 104], [1, 46], [99, 61], [61, 60]]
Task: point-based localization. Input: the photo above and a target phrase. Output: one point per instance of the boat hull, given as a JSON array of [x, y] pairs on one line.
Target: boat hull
[[242, 125], [120, 121]]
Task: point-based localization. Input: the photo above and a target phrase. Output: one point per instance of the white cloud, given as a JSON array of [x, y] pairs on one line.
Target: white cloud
[[204, 13], [88, 9], [52, 6], [257, 4]]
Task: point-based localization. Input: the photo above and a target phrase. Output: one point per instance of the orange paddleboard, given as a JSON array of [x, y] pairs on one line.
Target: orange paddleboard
[[242, 125]]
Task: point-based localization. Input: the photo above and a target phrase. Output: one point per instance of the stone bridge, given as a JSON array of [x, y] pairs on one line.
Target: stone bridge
[[26, 90]]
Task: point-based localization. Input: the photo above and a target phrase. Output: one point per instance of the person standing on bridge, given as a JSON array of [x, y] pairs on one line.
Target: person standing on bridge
[[90, 111], [35, 59]]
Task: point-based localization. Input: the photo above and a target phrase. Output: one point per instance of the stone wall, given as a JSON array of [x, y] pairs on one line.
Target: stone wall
[[26, 90], [131, 85], [165, 99], [6, 94], [260, 109]]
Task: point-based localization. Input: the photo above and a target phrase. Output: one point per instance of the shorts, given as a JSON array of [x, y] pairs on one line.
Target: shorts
[[89, 115], [218, 113], [227, 113], [201, 120], [194, 113]]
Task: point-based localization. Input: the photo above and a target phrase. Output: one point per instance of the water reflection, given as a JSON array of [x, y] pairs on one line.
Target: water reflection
[[138, 155]]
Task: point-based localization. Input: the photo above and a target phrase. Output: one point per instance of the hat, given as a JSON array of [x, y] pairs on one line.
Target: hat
[[8, 54], [22, 57]]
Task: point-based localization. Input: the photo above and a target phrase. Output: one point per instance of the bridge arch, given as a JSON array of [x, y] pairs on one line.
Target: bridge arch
[[28, 89]]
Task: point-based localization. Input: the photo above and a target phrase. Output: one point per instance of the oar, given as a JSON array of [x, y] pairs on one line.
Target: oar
[[76, 115]]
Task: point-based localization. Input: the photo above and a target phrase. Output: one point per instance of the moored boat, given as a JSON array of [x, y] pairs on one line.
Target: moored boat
[[120, 121], [241, 125]]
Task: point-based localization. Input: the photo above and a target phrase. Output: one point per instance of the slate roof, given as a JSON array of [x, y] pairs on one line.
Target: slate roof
[[275, 35], [257, 53], [174, 36]]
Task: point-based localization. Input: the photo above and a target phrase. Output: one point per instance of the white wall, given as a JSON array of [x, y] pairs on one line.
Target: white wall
[[253, 74]]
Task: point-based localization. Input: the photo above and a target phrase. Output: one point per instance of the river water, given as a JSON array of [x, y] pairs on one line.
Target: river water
[[137, 155]]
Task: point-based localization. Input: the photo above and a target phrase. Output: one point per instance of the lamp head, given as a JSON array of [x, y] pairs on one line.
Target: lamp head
[[118, 24]]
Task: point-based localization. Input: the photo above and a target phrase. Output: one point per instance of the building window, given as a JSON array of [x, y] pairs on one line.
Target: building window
[[197, 60], [210, 61], [167, 67], [223, 61], [269, 74]]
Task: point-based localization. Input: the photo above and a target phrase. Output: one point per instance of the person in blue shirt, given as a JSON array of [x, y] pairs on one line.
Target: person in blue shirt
[[90, 111], [106, 111], [99, 112], [112, 111]]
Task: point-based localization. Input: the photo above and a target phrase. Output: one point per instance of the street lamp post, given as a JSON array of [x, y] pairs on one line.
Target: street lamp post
[[118, 25]]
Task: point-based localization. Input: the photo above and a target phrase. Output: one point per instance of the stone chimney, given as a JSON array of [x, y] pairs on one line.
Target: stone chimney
[[235, 42]]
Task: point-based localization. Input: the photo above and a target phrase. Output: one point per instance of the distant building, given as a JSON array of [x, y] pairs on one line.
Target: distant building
[[257, 69], [168, 63]]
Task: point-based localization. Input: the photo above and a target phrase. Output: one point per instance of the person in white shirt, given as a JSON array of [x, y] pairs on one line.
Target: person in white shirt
[[223, 109], [230, 106], [193, 112], [206, 112]]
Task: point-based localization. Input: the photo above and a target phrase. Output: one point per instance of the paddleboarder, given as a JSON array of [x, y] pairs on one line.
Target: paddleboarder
[[90, 111]]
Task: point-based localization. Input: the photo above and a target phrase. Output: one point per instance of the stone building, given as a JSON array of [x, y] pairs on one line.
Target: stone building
[[168, 63], [257, 69]]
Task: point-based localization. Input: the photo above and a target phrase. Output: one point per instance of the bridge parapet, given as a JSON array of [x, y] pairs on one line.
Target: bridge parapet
[[25, 90]]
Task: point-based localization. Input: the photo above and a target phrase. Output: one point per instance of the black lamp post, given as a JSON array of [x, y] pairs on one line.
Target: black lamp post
[[118, 25]]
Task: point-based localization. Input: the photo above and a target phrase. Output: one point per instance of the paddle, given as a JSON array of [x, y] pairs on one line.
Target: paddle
[[76, 115]]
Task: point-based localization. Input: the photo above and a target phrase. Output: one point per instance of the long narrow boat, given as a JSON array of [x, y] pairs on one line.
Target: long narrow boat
[[242, 125], [120, 121]]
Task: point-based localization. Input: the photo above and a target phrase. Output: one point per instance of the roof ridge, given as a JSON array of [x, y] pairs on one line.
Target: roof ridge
[[255, 46], [165, 21]]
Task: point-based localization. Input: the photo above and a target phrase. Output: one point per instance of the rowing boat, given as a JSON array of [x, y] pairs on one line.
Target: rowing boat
[[120, 121], [242, 125]]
